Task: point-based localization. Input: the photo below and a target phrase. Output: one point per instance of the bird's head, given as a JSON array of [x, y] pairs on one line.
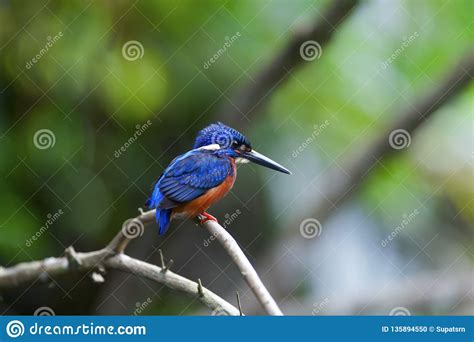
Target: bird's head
[[234, 144]]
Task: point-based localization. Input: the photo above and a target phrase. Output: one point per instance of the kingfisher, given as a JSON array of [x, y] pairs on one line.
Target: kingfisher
[[194, 181]]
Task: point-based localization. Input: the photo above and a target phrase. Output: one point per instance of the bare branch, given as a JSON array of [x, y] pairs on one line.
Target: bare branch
[[172, 280], [246, 269], [253, 96], [111, 257]]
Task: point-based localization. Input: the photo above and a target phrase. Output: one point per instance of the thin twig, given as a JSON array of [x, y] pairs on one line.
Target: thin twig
[[200, 292], [238, 303], [162, 258], [72, 259], [165, 267]]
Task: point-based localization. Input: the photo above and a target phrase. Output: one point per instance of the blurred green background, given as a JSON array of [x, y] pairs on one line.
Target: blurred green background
[[92, 97]]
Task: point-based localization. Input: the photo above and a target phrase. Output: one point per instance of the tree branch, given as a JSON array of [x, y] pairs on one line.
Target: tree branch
[[246, 269], [252, 96], [134, 226], [112, 257], [173, 281]]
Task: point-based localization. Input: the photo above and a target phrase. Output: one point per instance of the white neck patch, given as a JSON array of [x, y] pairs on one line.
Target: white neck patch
[[241, 160], [213, 147]]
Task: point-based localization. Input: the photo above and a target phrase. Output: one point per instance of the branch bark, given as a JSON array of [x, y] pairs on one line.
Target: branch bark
[[112, 257], [249, 274], [246, 269], [252, 96]]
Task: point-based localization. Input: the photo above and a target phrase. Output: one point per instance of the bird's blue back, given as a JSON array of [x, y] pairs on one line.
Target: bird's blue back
[[188, 177]]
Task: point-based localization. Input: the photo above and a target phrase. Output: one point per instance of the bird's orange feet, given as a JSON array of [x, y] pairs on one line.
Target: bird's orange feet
[[204, 217]]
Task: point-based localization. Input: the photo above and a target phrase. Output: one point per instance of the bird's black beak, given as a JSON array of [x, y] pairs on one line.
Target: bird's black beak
[[260, 159]]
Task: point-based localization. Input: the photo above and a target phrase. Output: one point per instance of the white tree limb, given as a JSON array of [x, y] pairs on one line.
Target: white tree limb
[[112, 257], [246, 269]]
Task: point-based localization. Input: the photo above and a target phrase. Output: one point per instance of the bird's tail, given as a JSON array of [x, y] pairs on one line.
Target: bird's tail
[[163, 216]]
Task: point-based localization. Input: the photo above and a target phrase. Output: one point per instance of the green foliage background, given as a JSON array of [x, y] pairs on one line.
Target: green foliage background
[[92, 98]]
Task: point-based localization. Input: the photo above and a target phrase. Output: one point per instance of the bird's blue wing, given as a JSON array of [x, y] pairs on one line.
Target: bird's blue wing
[[190, 176]]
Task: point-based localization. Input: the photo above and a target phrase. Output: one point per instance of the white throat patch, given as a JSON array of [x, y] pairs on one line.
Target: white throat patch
[[241, 160], [213, 147]]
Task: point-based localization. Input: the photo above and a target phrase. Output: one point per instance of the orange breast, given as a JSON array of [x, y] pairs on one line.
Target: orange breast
[[202, 203]]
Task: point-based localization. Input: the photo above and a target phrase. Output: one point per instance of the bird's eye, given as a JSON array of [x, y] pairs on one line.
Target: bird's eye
[[235, 143]]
